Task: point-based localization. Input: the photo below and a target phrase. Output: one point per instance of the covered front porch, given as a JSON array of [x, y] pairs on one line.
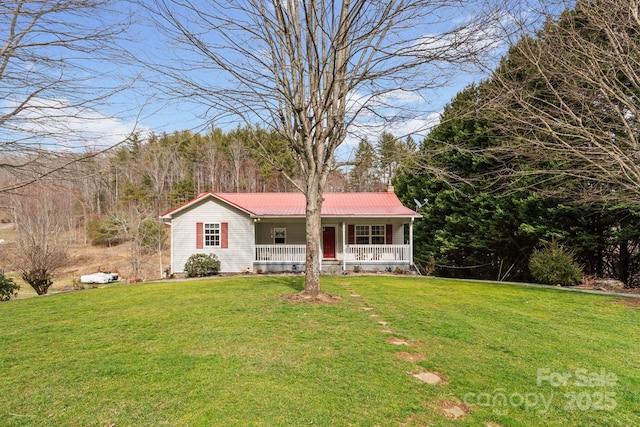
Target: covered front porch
[[379, 244]]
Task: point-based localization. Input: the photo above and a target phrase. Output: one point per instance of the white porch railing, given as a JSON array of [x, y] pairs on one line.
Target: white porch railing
[[378, 253], [354, 253], [281, 253]]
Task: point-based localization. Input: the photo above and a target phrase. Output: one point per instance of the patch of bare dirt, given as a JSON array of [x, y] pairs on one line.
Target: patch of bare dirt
[[413, 421], [410, 357], [629, 302], [303, 297], [453, 410]]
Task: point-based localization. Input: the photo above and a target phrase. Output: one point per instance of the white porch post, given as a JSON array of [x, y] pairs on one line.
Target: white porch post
[[254, 237], [411, 242], [344, 249]]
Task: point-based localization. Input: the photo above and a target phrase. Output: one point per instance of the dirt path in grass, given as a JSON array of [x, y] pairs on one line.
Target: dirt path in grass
[[453, 409]]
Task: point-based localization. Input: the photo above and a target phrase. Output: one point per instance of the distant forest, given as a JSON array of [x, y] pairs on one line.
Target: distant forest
[[158, 173]]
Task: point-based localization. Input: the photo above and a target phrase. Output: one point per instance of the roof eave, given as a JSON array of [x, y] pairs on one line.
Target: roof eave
[[168, 215]]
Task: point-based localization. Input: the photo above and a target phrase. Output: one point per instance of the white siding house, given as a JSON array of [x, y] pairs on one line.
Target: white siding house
[[254, 232], [235, 256]]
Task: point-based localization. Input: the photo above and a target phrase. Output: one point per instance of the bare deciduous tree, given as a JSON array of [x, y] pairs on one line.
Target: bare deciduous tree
[[58, 66], [42, 249], [157, 163], [568, 100], [238, 153], [150, 237], [316, 70]]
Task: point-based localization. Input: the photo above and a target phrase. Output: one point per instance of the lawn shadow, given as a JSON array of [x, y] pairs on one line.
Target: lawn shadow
[[294, 282]]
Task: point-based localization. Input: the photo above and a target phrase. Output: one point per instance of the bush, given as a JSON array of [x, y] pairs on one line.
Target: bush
[[555, 265], [8, 288], [40, 279], [201, 265]]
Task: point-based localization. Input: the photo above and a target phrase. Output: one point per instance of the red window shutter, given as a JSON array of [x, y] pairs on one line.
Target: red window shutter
[[224, 234], [199, 235], [352, 234], [389, 238]]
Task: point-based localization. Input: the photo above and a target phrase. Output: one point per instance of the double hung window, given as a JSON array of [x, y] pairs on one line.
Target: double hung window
[[370, 234]]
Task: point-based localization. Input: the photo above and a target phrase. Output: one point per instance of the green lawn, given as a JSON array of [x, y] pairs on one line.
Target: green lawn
[[231, 351]]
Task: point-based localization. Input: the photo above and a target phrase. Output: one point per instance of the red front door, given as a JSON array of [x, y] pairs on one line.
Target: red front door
[[328, 242]]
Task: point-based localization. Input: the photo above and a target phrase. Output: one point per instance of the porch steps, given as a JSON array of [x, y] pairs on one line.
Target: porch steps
[[331, 267]]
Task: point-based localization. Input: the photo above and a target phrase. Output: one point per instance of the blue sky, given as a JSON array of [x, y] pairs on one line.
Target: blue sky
[[183, 114], [142, 107]]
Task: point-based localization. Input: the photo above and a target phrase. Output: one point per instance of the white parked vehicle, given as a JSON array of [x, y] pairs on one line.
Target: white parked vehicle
[[100, 277]]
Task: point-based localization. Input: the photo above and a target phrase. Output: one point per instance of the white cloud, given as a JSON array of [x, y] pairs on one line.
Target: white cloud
[[56, 124], [417, 128], [473, 44]]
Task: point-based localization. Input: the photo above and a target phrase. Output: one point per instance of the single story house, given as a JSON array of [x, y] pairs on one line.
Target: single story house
[[265, 232]]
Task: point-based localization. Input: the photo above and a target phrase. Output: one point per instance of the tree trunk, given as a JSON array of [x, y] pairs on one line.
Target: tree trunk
[[623, 263], [313, 234]]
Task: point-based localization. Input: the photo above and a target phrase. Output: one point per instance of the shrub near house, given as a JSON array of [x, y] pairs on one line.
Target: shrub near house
[[202, 265]]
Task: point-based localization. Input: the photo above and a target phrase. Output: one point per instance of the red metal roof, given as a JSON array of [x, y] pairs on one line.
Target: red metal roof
[[382, 204]]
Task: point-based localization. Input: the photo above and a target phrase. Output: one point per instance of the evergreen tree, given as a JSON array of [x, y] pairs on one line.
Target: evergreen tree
[[363, 175]]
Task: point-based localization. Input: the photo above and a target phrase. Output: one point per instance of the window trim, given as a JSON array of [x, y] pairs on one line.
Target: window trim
[[370, 236], [276, 230], [207, 234]]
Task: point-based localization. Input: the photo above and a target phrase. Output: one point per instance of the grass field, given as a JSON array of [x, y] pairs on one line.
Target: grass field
[[232, 351]]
